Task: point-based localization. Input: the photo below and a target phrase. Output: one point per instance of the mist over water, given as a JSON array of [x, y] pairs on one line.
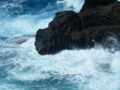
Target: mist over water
[[22, 68]]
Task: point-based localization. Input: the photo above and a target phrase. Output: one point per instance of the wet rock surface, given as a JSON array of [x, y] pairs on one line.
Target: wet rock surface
[[97, 22], [19, 39], [101, 15], [62, 33]]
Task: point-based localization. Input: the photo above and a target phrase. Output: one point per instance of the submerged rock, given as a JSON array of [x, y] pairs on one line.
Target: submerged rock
[[19, 39], [97, 21], [7, 55]]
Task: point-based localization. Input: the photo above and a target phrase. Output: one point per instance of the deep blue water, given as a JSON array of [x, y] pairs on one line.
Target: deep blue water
[[22, 68]]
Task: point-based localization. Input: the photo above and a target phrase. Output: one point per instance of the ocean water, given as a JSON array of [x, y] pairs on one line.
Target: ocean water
[[22, 68]]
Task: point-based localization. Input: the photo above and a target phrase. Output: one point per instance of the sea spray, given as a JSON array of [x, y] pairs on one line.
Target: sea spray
[[22, 68]]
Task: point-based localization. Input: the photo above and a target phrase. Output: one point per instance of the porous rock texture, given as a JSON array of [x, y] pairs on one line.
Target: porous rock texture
[[98, 22]]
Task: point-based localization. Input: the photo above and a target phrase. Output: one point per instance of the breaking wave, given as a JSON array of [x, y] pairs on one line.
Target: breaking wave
[[22, 68]]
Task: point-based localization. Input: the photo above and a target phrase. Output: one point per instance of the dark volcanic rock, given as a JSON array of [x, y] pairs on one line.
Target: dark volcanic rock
[[62, 33], [98, 2], [97, 22], [109, 37], [101, 15]]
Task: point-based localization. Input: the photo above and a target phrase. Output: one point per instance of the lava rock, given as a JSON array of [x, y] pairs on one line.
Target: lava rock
[[62, 33], [101, 15], [108, 37], [98, 22], [98, 2]]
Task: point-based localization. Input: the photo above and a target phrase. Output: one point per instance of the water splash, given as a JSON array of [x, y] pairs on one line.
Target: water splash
[[22, 68]]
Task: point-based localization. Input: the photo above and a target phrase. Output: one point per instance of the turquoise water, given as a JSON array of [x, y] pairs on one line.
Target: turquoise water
[[22, 68]]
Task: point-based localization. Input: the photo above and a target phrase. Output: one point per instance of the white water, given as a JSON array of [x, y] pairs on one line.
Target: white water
[[93, 69]]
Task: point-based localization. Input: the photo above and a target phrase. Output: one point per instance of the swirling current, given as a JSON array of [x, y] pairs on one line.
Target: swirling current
[[22, 68]]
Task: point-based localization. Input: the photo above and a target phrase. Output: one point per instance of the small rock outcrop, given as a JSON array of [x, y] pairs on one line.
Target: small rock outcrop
[[97, 22], [62, 33]]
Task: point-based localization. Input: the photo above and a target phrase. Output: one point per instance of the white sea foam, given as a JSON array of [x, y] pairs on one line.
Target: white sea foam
[[90, 69], [76, 5], [23, 25], [88, 66]]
